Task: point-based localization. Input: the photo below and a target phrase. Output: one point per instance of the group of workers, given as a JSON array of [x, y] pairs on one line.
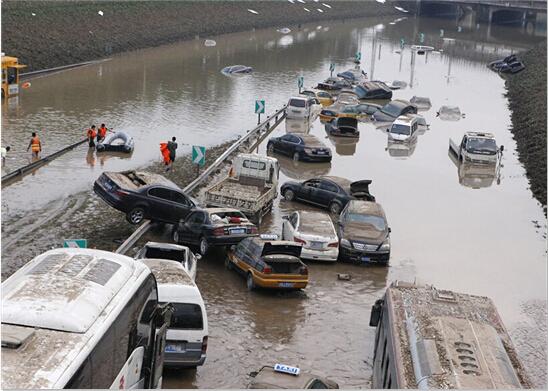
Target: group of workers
[[99, 134], [168, 152]]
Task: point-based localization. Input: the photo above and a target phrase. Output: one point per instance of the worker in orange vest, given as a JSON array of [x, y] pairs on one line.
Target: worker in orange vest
[[35, 145], [92, 133], [102, 133], [165, 154]]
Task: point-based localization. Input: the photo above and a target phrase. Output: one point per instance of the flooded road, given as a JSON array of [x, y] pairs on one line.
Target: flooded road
[[463, 229]]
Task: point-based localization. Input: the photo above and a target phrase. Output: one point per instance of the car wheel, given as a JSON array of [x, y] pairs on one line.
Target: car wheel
[[204, 246], [176, 235], [249, 282], [270, 148], [228, 264], [296, 156], [289, 195], [136, 216], [335, 208]]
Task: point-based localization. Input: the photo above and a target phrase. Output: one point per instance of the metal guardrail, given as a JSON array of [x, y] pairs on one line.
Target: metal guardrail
[[264, 126], [44, 72], [20, 172]]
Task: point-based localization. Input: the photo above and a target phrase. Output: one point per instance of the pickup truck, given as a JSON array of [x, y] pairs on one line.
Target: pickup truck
[[251, 186], [476, 147]]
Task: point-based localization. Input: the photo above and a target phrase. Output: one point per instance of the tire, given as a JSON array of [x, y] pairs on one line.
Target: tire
[[289, 195], [249, 282], [335, 208], [136, 216], [203, 247], [228, 264], [270, 148], [296, 157], [175, 236]]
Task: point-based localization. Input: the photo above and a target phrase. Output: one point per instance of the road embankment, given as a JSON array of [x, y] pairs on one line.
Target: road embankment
[[527, 101], [46, 34]]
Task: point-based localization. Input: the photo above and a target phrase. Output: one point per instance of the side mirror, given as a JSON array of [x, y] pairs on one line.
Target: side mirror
[[285, 217], [502, 148], [389, 229], [197, 257]]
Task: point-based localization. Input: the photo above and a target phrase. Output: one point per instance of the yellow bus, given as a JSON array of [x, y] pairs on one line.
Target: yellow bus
[[10, 76]]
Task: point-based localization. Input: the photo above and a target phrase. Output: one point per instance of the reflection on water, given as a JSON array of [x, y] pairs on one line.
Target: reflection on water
[[344, 146], [477, 175], [301, 170], [297, 126], [401, 149]]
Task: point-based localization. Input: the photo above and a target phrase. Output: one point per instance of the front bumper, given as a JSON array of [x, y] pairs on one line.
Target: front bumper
[[360, 256], [315, 158], [330, 255]]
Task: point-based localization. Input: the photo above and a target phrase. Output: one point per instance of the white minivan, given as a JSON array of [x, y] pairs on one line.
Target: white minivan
[[406, 126], [303, 107], [186, 339]]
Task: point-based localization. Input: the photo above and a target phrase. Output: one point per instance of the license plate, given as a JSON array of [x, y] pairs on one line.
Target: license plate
[[237, 231], [366, 259], [321, 152], [285, 285], [174, 348], [316, 245]]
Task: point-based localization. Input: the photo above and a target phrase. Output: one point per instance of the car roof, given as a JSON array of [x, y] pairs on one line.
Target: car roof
[[269, 378], [365, 207], [261, 242], [342, 182], [480, 134], [167, 271], [315, 222], [311, 140], [300, 97], [406, 120], [400, 102], [168, 246], [141, 179]]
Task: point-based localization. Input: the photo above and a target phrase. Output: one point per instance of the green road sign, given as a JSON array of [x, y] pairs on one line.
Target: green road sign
[[421, 37], [259, 107], [358, 56], [300, 81], [198, 155], [75, 243], [402, 43], [442, 33], [332, 67]]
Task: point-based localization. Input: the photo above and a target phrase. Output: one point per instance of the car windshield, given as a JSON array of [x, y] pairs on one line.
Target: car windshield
[[375, 221], [392, 110], [297, 102], [309, 93], [227, 217], [186, 316], [481, 145], [400, 129]]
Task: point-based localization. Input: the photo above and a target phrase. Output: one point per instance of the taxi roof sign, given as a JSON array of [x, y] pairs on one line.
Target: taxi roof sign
[[269, 236], [287, 369]]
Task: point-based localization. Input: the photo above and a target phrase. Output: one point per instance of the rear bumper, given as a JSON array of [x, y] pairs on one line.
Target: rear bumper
[[180, 360], [274, 283], [109, 198], [353, 255], [330, 255], [227, 240]]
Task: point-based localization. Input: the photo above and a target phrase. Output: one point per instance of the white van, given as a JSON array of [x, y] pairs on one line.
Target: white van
[[303, 107], [186, 339], [405, 126]]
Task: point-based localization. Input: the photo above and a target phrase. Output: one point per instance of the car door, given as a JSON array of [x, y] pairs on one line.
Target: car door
[[307, 189], [287, 144], [196, 226], [184, 228], [160, 205], [326, 192], [181, 205]]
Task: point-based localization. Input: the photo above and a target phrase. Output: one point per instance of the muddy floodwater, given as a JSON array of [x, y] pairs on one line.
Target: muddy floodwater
[[469, 229]]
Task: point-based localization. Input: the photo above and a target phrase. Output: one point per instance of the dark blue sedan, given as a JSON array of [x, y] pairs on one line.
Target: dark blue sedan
[[303, 147]]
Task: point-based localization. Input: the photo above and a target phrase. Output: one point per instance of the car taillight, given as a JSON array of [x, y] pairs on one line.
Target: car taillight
[[121, 192], [334, 244], [204, 345], [303, 270], [299, 240], [253, 230], [219, 231], [267, 270]]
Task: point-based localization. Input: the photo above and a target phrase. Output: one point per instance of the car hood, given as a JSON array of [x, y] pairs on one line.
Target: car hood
[[363, 232], [382, 117]]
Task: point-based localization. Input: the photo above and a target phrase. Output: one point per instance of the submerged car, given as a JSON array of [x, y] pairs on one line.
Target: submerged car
[[364, 233], [304, 147], [329, 192], [394, 109], [117, 142], [359, 111], [422, 102], [406, 126], [347, 97], [173, 252], [449, 113], [325, 98], [343, 127], [304, 107], [268, 263], [334, 84], [373, 90], [315, 231], [237, 69], [287, 377], [510, 64], [144, 195], [354, 75], [212, 227]]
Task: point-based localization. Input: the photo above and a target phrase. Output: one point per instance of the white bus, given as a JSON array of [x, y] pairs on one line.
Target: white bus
[[430, 338], [79, 318]]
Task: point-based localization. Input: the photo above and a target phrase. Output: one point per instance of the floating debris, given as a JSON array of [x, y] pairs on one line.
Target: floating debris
[[302, 1], [450, 113], [401, 9], [26, 85], [100, 13], [291, 1], [253, 11], [284, 30], [397, 84], [344, 277], [320, 10], [318, 27], [422, 102], [210, 42], [326, 5], [33, 14], [306, 9], [381, 1]]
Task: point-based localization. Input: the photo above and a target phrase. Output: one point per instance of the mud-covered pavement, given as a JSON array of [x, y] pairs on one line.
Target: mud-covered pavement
[[479, 233]]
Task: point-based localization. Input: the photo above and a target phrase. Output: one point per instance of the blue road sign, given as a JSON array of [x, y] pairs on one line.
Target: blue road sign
[[198, 155]]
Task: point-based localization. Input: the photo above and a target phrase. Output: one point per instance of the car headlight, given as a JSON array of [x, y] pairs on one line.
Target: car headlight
[[346, 243], [385, 246], [308, 151]]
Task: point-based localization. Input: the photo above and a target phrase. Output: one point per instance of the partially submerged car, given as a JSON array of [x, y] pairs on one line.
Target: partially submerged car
[[334, 84], [343, 127], [422, 102], [144, 195], [449, 113], [360, 111], [304, 107], [173, 252], [325, 98], [315, 231], [237, 69], [394, 109], [347, 97], [268, 263], [364, 233], [353, 75], [476, 147], [329, 192], [406, 126], [117, 142], [284, 376], [509, 64], [304, 147], [213, 227], [373, 90]]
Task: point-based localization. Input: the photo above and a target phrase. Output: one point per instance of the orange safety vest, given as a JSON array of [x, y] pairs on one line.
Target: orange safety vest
[[102, 132], [92, 133], [35, 144], [165, 152]]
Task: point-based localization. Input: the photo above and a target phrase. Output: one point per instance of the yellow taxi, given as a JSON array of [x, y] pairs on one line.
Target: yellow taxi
[[325, 98], [268, 263], [359, 111]]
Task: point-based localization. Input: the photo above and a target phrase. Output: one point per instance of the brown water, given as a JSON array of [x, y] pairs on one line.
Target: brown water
[[488, 238]]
